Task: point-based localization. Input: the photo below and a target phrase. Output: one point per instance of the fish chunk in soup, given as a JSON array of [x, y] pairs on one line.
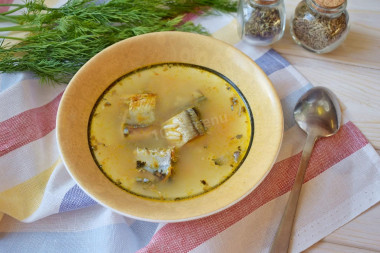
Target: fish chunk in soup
[[140, 112], [156, 161], [183, 127]]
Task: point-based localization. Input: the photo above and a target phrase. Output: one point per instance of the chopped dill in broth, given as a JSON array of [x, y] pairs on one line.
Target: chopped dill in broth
[[170, 131]]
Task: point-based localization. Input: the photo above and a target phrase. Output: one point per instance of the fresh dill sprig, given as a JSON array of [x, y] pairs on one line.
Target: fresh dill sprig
[[61, 40]]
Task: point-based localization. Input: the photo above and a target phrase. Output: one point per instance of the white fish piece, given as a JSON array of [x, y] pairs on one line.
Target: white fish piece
[[157, 161], [141, 110], [183, 127]]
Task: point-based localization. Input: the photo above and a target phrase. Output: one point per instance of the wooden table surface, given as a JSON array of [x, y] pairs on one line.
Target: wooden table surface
[[352, 71]]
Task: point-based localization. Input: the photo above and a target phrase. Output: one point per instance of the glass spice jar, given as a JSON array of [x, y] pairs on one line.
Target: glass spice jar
[[320, 26], [261, 22]]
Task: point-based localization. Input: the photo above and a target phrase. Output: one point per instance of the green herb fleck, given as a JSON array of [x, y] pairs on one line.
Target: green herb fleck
[[140, 164]]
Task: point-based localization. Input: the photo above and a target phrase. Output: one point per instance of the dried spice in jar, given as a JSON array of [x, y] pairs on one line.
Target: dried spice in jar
[[261, 22], [320, 25]]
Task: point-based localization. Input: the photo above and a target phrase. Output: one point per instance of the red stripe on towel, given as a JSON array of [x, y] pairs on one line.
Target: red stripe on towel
[[5, 8], [28, 126], [190, 17], [185, 236]]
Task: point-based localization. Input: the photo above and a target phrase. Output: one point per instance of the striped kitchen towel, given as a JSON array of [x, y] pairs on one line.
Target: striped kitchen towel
[[43, 210]]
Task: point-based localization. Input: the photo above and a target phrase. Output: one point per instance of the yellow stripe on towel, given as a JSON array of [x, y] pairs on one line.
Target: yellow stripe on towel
[[23, 200], [228, 33]]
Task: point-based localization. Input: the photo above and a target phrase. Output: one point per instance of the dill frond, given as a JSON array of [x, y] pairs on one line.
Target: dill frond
[[61, 40]]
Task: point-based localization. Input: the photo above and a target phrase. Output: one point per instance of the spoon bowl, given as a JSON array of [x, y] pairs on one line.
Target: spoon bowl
[[318, 113]]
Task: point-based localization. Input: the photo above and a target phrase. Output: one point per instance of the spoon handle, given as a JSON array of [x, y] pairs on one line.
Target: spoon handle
[[282, 238]]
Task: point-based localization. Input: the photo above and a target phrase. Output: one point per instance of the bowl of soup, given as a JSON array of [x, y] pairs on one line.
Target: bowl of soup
[[169, 126]]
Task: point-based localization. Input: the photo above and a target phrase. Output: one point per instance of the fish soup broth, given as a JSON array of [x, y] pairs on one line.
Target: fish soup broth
[[170, 131]]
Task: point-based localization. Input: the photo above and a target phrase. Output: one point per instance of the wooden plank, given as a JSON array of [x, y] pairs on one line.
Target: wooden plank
[[325, 247]]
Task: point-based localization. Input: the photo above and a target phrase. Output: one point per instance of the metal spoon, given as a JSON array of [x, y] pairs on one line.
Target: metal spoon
[[318, 113]]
